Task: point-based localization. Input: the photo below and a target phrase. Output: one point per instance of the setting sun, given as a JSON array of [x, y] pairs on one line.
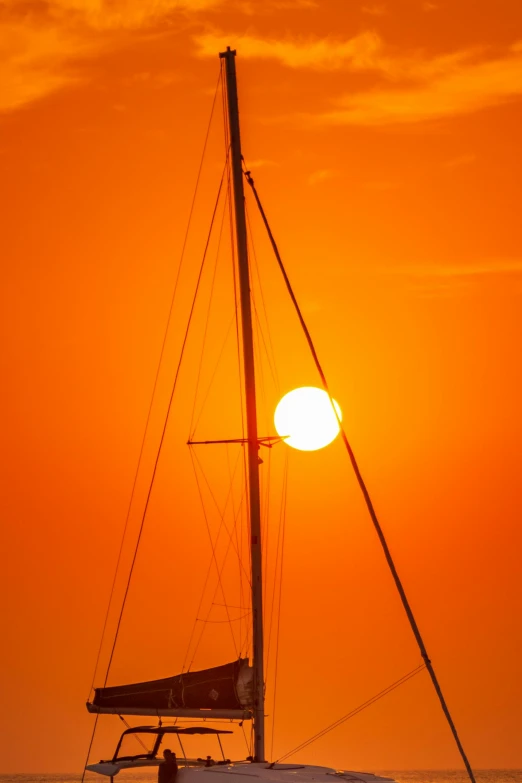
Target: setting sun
[[305, 419]]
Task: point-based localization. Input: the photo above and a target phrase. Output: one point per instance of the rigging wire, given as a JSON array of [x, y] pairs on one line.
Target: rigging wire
[[272, 365], [366, 494], [90, 747], [136, 736], [235, 530], [283, 511], [266, 530], [213, 543], [270, 354], [140, 456], [261, 352], [212, 377], [249, 749], [206, 620], [164, 430], [239, 532], [214, 557], [352, 713], [263, 477], [192, 429], [222, 513], [230, 542], [242, 603], [262, 342], [277, 560], [231, 620], [155, 385], [202, 596], [235, 273]]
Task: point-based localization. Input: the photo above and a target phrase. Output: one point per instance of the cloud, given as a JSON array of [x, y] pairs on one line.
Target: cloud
[[322, 175], [363, 52], [462, 160], [432, 280], [480, 269], [259, 163], [34, 62], [448, 280], [374, 10], [255, 7], [41, 45], [410, 87], [124, 14], [357, 53], [448, 87]]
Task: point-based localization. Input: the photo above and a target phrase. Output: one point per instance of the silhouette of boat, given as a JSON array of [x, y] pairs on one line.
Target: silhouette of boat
[[235, 691]]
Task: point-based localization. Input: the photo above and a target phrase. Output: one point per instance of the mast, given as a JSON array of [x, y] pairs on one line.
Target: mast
[[251, 411]]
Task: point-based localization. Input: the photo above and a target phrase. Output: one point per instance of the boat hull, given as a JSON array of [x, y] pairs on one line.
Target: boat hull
[[265, 773]]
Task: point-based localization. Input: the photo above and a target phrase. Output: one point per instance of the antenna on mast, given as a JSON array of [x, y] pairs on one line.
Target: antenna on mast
[[251, 410]]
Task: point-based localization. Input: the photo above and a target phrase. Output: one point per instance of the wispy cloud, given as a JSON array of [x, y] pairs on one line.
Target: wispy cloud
[[358, 53], [457, 279], [35, 61], [461, 160], [322, 175], [259, 163], [124, 14], [410, 87], [365, 51], [42, 44], [453, 86], [255, 8], [481, 269], [374, 10]]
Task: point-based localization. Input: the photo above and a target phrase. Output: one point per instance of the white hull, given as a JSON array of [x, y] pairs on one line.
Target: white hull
[[280, 773]]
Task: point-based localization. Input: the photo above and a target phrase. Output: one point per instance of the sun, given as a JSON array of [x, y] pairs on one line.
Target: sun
[[305, 418]]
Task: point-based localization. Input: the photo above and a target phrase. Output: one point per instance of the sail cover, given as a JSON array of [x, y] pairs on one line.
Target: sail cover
[[222, 687]]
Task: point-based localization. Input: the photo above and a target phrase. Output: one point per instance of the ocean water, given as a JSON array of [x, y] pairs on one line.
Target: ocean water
[[401, 776]]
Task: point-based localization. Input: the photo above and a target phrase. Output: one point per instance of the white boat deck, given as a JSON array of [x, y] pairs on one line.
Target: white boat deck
[[279, 773]]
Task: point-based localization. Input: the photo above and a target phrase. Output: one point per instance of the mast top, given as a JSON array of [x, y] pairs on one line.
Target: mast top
[[229, 52]]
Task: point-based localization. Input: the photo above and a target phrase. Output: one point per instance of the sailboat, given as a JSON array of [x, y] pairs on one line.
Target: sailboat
[[235, 691]]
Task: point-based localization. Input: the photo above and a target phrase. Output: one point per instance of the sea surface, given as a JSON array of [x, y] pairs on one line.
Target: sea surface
[[401, 776]]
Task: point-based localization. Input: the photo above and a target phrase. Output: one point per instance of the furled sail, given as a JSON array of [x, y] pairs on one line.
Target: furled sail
[[222, 688]]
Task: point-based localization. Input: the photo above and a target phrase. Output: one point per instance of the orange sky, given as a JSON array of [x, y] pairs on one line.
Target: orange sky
[[384, 138]]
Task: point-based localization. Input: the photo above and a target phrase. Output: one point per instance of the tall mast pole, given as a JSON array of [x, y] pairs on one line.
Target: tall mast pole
[[251, 411]]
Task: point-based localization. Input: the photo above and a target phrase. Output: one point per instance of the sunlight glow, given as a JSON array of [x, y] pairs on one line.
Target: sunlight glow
[[305, 415]]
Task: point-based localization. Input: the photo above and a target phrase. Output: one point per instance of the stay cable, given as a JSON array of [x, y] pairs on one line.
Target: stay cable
[[365, 492]]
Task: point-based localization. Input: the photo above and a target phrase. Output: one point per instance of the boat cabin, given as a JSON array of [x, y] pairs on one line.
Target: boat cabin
[[150, 738]]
